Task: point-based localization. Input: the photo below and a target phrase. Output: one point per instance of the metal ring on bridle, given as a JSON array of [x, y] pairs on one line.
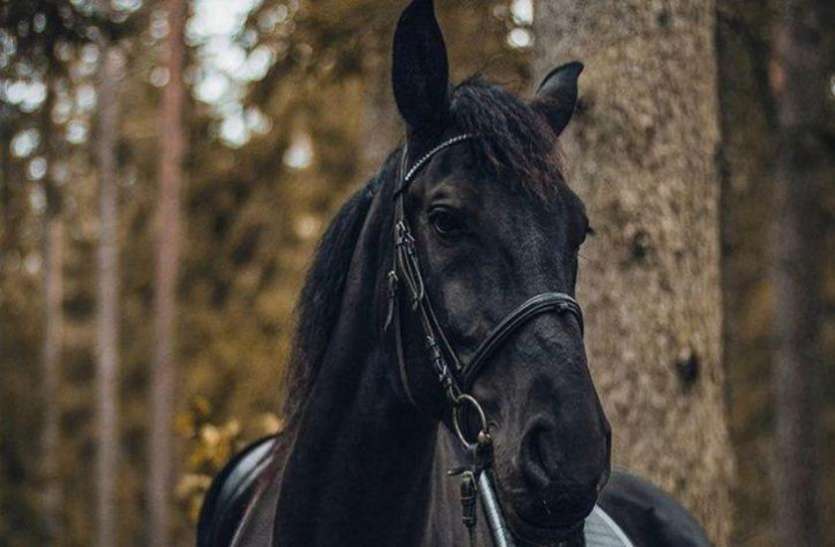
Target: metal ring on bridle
[[456, 416]]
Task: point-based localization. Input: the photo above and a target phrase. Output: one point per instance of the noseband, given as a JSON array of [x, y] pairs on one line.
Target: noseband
[[455, 376]]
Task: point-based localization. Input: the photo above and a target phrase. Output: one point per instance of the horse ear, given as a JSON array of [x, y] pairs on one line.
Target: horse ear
[[556, 97], [420, 70]]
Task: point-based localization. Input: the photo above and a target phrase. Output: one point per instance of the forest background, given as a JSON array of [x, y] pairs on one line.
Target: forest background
[[286, 109]]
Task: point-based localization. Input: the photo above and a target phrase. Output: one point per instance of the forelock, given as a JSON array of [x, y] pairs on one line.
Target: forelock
[[515, 139]]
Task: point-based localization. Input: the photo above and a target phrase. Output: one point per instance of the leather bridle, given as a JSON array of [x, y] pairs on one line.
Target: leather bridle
[[455, 376]]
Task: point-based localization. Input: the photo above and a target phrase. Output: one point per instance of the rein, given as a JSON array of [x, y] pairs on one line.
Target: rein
[[456, 377]]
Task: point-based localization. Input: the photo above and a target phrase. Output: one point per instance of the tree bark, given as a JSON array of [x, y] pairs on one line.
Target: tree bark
[[746, 165], [163, 378], [6, 134], [799, 82], [53, 290], [641, 155], [107, 326]]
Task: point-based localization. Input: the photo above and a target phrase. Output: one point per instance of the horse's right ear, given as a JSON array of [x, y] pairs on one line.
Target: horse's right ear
[[556, 97], [420, 70]]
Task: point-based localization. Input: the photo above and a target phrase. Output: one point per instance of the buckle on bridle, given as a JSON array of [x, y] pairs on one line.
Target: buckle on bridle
[[480, 455], [404, 238], [406, 258], [392, 282]]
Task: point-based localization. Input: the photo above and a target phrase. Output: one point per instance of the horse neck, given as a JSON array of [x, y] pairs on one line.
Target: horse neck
[[372, 475], [358, 470]]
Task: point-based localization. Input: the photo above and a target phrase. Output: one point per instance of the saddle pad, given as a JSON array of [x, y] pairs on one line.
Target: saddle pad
[[601, 531]]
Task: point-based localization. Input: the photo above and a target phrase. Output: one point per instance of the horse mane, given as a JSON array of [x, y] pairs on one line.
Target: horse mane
[[319, 305], [516, 139]]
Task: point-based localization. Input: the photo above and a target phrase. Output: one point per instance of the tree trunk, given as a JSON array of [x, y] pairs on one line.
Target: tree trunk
[[163, 378], [107, 329], [800, 84], [641, 154], [6, 134], [746, 163], [53, 290]]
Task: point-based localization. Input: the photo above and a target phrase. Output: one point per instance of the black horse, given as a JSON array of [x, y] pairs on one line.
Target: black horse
[[477, 199]]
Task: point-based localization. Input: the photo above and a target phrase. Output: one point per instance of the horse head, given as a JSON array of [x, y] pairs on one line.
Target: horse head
[[494, 224]]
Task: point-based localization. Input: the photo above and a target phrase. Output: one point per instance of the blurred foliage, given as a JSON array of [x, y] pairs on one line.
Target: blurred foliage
[[211, 447]]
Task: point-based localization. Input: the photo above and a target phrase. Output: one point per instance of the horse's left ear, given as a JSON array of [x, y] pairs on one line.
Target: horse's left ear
[[556, 97], [420, 69]]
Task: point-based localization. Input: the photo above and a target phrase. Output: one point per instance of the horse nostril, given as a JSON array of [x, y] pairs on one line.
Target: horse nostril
[[535, 459]]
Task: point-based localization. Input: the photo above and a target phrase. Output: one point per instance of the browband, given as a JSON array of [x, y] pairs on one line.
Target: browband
[[420, 163]]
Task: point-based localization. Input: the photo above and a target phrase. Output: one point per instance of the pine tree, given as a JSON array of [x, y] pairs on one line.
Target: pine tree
[[161, 450], [107, 330]]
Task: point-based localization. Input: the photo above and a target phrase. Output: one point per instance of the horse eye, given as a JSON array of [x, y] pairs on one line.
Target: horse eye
[[445, 222]]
